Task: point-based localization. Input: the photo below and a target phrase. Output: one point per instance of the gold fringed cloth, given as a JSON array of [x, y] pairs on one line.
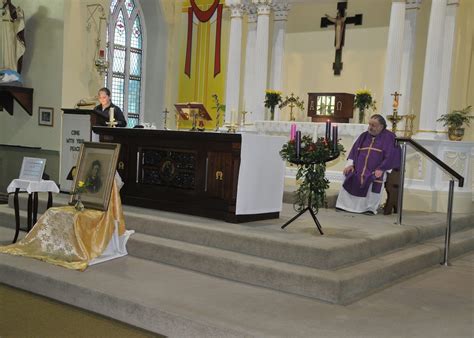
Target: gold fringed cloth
[[71, 238]]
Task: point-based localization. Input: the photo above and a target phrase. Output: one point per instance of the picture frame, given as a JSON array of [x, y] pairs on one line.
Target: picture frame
[[32, 169], [96, 166], [46, 116]]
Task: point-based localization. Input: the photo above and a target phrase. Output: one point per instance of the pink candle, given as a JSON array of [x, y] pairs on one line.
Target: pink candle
[[292, 131]]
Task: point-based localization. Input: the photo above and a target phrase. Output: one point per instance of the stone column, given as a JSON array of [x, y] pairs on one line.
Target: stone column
[[261, 57], [232, 92], [249, 81], [409, 46], [447, 60], [432, 72], [393, 59], [279, 30]]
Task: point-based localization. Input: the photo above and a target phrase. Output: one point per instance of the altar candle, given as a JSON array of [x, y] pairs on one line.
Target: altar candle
[[328, 131], [292, 131], [298, 144], [111, 114], [334, 138]]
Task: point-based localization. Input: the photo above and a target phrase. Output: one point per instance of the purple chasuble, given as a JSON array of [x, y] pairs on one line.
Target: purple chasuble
[[370, 153]]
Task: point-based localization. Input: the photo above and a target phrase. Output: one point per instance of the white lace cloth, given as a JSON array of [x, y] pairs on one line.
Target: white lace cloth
[[32, 186]]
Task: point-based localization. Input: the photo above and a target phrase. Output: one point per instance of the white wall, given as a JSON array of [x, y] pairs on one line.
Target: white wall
[[42, 71], [309, 51]]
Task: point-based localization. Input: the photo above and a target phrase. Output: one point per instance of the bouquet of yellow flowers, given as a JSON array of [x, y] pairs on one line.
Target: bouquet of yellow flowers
[[363, 100], [80, 188], [272, 99]]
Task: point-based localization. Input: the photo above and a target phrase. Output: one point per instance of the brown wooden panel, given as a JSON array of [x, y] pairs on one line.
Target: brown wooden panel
[[212, 153]]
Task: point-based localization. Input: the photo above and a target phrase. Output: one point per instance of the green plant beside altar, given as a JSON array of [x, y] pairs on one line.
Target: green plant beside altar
[[363, 100], [220, 110], [272, 99], [311, 162], [455, 121]]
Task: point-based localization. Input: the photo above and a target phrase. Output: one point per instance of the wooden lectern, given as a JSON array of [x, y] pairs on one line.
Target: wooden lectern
[[195, 111]]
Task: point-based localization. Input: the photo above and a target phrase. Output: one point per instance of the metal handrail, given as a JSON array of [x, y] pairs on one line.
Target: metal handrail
[[448, 170]]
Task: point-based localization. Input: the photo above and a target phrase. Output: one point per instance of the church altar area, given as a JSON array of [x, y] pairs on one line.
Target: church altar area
[[426, 186]]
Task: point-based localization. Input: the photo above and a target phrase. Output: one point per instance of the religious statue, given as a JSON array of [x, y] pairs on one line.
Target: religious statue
[[339, 22], [12, 41]]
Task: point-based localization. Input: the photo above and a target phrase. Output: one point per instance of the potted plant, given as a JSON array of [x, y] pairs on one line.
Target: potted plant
[[272, 99], [455, 121], [363, 100]]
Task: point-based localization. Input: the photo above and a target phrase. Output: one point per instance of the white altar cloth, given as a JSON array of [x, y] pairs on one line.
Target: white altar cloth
[[261, 175]]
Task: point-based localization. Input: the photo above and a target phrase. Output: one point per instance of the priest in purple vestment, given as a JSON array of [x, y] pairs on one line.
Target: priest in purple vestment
[[373, 154]]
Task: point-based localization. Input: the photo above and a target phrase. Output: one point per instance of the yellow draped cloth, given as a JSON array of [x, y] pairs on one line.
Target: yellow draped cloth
[[71, 238]]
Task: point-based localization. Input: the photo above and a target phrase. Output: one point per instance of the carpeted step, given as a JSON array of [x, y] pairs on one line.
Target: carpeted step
[[336, 286], [361, 238]]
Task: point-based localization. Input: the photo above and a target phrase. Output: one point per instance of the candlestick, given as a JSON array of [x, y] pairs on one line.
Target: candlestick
[[298, 144], [334, 138], [111, 114], [292, 131]]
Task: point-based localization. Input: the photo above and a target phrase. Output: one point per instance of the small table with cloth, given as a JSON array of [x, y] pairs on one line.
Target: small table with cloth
[[32, 188]]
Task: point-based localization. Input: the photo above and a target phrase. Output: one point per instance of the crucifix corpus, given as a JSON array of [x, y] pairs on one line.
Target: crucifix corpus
[[340, 22]]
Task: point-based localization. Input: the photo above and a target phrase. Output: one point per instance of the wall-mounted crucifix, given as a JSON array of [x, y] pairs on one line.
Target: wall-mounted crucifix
[[340, 22]]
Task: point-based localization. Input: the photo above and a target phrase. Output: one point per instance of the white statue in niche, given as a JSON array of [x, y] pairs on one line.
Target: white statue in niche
[[12, 41]]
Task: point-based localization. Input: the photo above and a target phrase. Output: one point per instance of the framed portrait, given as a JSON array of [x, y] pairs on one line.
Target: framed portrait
[[96, 167], [46, 116]]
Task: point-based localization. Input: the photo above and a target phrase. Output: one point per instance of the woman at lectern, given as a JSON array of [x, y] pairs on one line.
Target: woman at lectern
[[107, 111]]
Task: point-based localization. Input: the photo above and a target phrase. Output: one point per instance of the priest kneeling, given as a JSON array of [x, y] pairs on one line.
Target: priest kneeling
[[373, 154]]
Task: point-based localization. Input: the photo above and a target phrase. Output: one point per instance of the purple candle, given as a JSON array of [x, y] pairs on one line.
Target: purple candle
[[292, 131], [328, 131], [334, 138], [298, 144]]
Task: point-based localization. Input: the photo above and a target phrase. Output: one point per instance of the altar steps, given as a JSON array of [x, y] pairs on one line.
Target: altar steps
[[340, 286], [349, 237], [358, 255]]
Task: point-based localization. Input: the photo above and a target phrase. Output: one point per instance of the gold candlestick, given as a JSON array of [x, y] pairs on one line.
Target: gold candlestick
[[394, 118]]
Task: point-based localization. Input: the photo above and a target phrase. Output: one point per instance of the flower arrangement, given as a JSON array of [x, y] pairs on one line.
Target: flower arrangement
[[272, 99], [311, 159], [80, 188], [363, 101]]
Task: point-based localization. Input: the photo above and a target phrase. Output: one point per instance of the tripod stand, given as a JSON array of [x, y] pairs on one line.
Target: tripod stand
[[315, 219], [309, 208]]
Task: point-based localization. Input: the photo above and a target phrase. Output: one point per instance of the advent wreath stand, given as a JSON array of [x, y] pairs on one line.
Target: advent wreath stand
[[333, 156]]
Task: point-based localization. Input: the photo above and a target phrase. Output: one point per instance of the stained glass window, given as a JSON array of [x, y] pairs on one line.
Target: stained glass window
[[124, 53]]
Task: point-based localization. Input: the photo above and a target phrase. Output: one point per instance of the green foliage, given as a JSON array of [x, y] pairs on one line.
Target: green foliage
[[457, 118], [219, 107], [311, 170]]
